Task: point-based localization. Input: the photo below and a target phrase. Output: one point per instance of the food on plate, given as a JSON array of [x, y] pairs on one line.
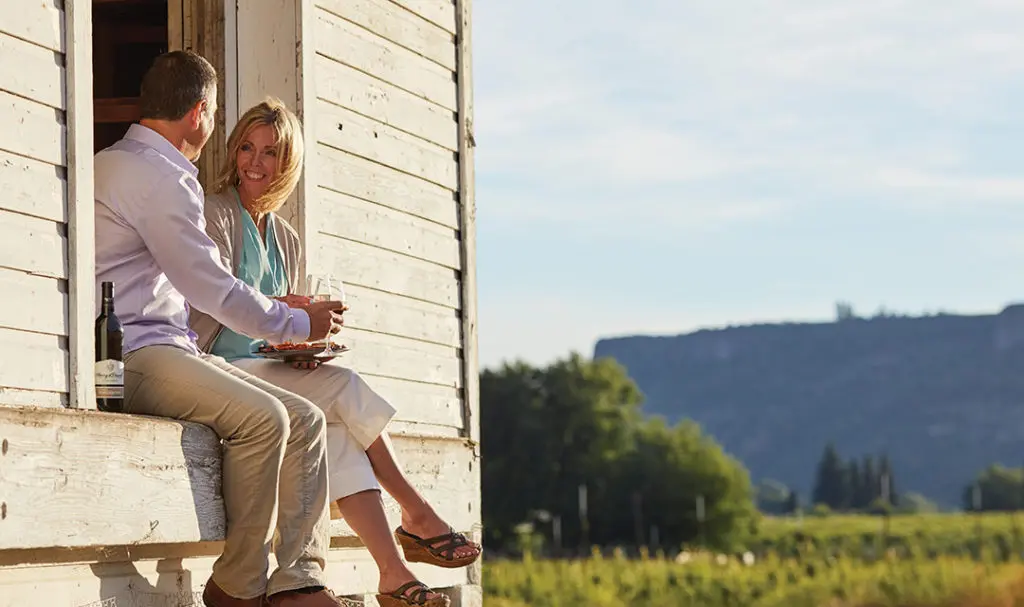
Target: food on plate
[[289, 346]]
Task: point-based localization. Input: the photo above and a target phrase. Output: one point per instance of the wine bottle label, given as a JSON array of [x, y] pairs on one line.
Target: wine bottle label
[[109, 379]]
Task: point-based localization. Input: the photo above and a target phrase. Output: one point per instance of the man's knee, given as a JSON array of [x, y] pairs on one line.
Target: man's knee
[[308, 419], [269, 417]]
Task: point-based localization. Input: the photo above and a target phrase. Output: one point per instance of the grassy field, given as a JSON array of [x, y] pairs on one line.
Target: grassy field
[[992, 536], [922, 561]]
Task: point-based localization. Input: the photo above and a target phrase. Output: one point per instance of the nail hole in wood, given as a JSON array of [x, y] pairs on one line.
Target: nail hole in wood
[[341, 127], [3, 511], [3, 447]]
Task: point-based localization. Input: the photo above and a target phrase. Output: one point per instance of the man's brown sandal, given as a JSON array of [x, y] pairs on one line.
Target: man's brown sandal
[[439, 551], [417, 598]]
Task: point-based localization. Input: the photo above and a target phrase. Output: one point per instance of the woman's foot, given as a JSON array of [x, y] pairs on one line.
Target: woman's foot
[[428, 524], [392, 580]]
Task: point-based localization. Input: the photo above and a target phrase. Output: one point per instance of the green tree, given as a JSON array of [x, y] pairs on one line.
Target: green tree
[[792, 503], [672, 468], [856, 484], [870, 484], [544, 432], [773, 497], [1001, 489], [831, 484]]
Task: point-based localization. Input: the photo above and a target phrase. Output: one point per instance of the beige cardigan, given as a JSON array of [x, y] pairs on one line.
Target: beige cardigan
[[224, 225]]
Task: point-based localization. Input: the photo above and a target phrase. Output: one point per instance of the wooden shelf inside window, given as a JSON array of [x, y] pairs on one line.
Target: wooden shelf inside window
[[115, 109]]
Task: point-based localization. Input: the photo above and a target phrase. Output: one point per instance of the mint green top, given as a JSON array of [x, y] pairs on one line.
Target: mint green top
[[261, 267]]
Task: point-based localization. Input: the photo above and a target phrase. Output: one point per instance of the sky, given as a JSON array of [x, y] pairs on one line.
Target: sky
[[658, 166]]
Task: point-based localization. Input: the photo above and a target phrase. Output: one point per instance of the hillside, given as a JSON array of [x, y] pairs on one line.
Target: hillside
[[943, 395]]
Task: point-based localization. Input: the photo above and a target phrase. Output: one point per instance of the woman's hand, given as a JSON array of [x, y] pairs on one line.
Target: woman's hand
[[295, 301]]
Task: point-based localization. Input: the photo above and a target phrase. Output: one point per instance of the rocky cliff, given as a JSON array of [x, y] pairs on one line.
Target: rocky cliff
[[942, 395]]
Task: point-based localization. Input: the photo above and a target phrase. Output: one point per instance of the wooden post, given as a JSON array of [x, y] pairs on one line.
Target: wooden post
[[467, 221], [203, 33], [80, 197]]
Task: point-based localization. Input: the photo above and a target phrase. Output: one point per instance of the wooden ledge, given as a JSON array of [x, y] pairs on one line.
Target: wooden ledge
[[76, 479]]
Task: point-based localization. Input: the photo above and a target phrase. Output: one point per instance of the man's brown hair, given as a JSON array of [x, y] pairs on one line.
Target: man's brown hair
[[174, 84]]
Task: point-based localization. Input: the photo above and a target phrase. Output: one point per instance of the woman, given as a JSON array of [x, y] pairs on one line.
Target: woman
[[261, 170]]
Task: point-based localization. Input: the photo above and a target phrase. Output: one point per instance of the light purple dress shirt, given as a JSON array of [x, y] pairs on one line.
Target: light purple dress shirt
[[151, 242]]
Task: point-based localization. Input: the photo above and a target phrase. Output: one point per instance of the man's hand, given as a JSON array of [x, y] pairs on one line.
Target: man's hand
[[295, 301], [324, 319]]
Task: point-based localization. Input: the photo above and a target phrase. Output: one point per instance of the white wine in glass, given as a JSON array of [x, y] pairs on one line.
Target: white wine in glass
[[325, 287]]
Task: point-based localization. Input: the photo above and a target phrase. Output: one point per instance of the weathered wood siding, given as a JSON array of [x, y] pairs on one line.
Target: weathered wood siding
[[34, 269], [385, 208], [123, 492]]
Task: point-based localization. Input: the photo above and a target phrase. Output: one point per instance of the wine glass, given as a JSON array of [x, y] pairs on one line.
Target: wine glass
[[325, 287]]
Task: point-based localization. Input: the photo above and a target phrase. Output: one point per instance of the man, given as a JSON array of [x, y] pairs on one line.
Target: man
[[151, 242]]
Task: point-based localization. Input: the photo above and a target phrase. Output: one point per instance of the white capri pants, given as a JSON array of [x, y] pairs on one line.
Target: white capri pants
[[356, 416]]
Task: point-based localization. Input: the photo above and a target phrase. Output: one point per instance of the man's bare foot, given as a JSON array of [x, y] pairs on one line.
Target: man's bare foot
[[428, 524]]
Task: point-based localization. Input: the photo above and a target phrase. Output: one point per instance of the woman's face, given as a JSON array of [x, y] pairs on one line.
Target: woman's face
[[257, 161]]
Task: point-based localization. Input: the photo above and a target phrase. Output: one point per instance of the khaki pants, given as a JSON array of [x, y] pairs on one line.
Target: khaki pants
[[275, 463], [356, 416]]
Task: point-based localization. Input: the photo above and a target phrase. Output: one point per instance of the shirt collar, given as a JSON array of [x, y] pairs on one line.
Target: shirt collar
[[158, 142]]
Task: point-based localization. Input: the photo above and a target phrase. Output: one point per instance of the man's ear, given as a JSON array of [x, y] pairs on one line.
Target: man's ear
[[195, 115]]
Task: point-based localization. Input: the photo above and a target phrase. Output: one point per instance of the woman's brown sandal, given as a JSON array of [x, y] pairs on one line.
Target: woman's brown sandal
[[418, 597], [438, 550]]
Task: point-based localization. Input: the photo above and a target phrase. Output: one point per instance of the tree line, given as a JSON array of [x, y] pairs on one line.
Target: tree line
[[568, 456], [852, 485]]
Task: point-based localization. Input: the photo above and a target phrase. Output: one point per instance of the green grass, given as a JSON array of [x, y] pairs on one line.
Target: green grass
[[659, 583], [837, 561], [995, 536]]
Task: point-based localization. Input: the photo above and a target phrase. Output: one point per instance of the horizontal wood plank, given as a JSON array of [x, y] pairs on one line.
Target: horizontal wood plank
[[107, 479], [369, 96], [352, 45], [348, 174], [150, 480], [439, 469], [420, 403], [31, 129], [369, 223], [32, 187], [401, 26], [371, 267], [37, 246], [174, 576], [390, 356], [38, 21], [15, 397], [33, 303], [385, 313], [35, 362], [367, 138], [31, 71], [399, 427], [438, 12]]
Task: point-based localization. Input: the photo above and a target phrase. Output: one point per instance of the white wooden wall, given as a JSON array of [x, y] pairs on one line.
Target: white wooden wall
[[384, 93], [39, 222], [385, 209]]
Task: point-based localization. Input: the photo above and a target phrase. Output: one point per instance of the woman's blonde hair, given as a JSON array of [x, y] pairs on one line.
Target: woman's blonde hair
[[288, 137]]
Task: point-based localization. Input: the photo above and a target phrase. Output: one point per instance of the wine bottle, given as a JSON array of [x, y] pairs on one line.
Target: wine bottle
[[109, 362]]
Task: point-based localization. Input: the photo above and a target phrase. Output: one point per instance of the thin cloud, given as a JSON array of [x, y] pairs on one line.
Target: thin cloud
[[654, 120]]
